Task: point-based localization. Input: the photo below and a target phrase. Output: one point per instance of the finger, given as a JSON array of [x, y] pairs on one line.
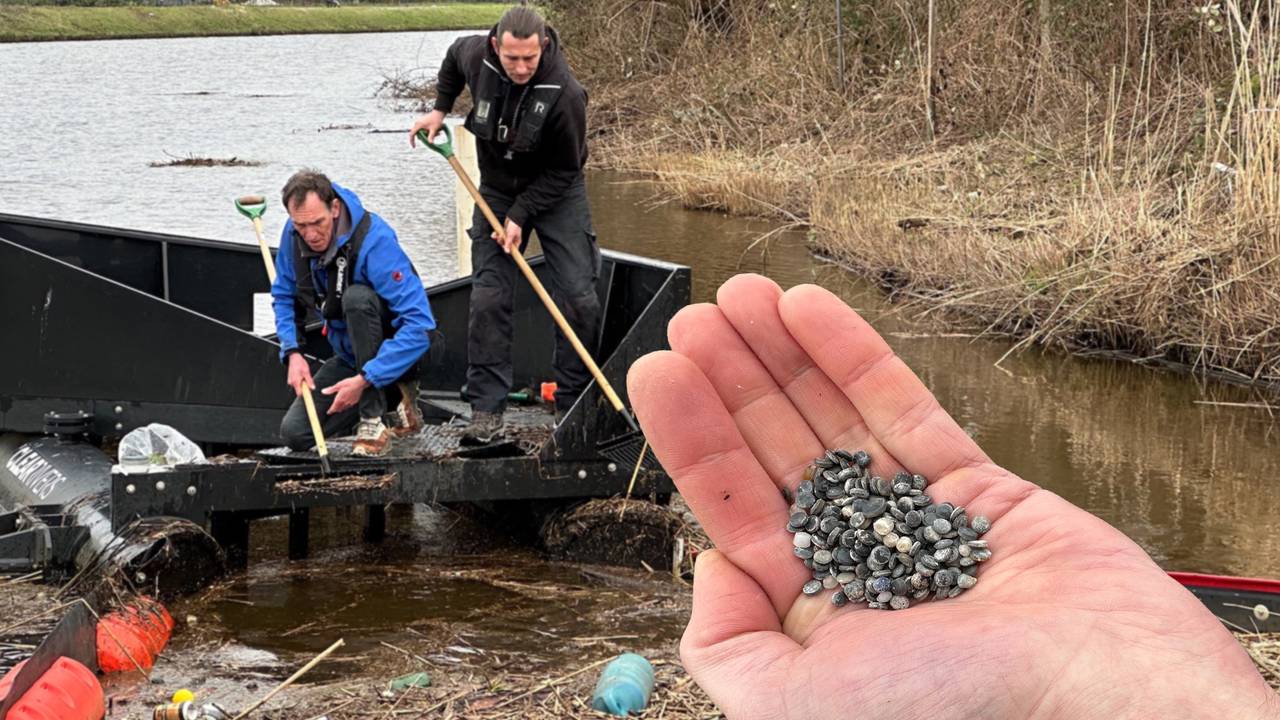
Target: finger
[[773, 428], [698, 443], [750, 303], [898, 409], [733, 640]]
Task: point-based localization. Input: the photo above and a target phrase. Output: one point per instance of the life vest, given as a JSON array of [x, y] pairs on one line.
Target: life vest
[[491, 94], [339, 270]]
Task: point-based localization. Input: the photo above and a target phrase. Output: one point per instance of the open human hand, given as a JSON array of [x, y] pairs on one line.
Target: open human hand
[[1069, 619]]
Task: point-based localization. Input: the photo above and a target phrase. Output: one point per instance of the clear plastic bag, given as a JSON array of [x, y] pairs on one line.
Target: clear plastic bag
[[156, 445]]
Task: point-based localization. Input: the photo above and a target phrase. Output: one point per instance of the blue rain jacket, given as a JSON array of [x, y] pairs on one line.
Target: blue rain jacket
[[382, 265]]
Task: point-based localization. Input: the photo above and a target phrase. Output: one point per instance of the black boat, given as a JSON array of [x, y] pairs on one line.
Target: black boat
[[112, 329]]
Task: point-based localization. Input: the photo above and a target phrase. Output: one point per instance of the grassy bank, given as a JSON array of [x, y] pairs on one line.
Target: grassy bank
[[1100, 177], [19, 24]]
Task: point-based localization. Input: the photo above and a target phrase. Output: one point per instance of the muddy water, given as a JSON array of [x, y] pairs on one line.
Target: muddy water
[[1156, 454], [439, 575]]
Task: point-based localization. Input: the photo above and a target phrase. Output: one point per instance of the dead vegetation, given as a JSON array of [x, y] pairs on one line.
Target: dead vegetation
[[193, 161], [1091, 176], [1265, 651]]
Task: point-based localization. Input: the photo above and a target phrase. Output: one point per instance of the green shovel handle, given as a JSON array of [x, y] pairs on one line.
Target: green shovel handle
[[445, 148], [251, 207]]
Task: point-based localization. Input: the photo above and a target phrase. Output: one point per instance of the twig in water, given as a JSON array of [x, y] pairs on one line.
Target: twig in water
[[1259, 406], [549, 683], [631, 485], [37, 616], [314, 661]]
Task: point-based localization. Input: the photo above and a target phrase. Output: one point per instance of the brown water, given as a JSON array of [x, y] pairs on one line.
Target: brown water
[[1192, 483]]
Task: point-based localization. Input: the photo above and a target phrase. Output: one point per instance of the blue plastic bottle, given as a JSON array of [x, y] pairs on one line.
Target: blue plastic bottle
[[624, 686]]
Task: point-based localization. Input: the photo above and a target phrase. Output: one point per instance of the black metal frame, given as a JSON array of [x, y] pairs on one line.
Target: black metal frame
[[138, 327]]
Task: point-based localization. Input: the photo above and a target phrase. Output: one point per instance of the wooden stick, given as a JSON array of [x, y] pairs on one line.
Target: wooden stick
[[22, 578], [115, 639], [314, 661], [539, 289], [1259, 406], [631, 485], [266, 253], [321, 446]]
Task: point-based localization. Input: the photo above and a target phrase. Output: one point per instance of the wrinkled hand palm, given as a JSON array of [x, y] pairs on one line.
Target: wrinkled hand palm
[[1069, 618]]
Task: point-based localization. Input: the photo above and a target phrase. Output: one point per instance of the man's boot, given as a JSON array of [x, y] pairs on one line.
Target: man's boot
[[372, 438], [408, 418], [484, 428]]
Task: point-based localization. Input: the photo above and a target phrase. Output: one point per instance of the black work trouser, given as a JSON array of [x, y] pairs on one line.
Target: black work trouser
[[369, 323], [573, 257]]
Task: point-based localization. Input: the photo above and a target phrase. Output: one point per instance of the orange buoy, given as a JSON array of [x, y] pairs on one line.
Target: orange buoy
[[136, 633], [67, 691]]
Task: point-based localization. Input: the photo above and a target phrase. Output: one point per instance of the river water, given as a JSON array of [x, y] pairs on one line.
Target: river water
[[1156, 454]]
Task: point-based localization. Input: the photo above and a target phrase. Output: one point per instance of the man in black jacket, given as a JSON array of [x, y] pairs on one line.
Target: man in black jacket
[[529, 119]]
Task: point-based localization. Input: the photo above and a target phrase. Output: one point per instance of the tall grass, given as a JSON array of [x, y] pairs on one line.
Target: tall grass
[[30, 23], [1102, 177]]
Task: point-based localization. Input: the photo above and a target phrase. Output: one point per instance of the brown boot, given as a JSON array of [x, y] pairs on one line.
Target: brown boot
[[372, 439], [408, 418]]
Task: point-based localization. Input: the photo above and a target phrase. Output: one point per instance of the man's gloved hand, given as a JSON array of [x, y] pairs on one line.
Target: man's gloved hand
[[1069, 619]]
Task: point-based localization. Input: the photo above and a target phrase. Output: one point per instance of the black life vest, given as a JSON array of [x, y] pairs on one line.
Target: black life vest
[[491, 93], [307, 296]]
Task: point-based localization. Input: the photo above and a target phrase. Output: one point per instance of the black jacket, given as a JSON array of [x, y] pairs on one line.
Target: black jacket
[[537, 176]]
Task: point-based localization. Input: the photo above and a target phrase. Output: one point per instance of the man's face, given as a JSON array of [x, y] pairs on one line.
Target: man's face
[[519, 57], [315, 221]]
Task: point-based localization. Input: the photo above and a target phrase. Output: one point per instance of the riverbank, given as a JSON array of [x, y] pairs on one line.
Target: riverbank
[[1099, 179], [41, 23]]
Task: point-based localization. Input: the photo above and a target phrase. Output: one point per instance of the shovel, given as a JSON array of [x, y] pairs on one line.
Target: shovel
[[252, 207], [624, 446]]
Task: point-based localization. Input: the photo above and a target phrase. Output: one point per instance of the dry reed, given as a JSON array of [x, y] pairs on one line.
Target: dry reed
[[1103, 176]]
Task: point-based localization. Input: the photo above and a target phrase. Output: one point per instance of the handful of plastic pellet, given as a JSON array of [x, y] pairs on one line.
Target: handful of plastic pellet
[[879, 541]]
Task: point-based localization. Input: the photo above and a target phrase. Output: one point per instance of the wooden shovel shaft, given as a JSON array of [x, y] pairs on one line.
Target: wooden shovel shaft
[[321, 446], [307, 400], [266, 253], [539, 289]]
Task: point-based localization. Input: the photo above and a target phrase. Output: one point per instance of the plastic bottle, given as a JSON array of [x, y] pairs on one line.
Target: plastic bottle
[[624, 686]]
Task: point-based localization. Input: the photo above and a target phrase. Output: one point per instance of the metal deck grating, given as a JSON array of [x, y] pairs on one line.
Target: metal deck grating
[[529, 428]]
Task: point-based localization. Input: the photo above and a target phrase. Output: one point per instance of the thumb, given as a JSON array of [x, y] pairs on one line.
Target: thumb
[[734, 646], [329, 390]]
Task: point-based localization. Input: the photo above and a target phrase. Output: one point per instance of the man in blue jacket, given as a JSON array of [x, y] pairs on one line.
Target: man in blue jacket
[[347, 264]]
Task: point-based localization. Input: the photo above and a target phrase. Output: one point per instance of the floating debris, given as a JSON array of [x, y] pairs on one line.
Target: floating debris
[[192, 161], [335, 485], [885, 543], [346, 126]]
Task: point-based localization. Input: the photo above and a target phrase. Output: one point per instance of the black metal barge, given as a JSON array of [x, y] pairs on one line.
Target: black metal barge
[[110, 329]]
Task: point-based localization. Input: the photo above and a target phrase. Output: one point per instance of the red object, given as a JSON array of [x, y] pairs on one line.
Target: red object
[[397, 275], [548, 392], [67, 691], [133, 634], [1242, 584]]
